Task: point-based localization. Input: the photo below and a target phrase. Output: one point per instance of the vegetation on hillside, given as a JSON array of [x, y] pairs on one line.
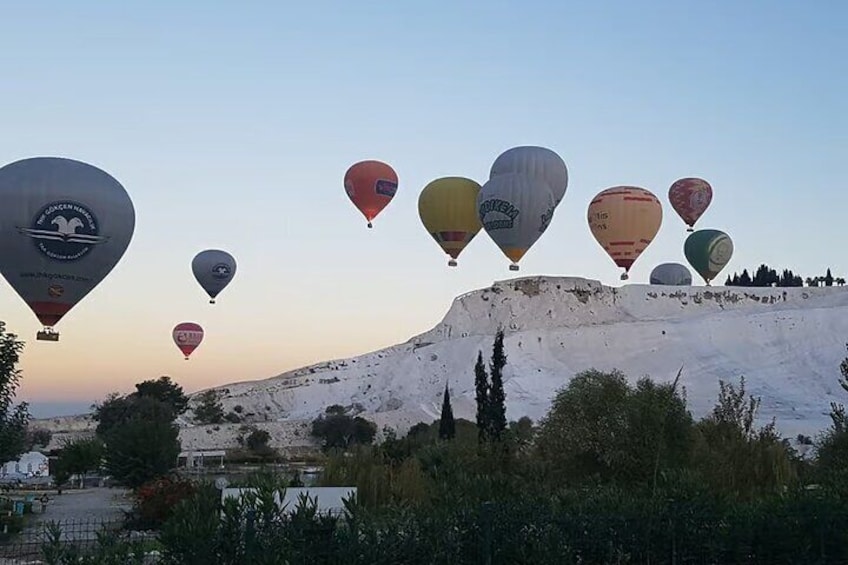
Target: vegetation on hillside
[[768, 276]]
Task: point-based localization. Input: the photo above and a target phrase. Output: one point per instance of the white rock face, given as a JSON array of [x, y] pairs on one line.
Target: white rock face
[[787, 342]]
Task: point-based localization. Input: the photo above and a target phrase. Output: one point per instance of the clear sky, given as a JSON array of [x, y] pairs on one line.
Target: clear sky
[[231, 125]]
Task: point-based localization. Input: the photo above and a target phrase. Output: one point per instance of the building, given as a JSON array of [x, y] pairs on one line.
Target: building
[[32, 464]]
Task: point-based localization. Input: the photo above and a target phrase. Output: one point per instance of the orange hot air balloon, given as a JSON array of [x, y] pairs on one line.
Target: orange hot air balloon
[[370, 185], [624, 220]]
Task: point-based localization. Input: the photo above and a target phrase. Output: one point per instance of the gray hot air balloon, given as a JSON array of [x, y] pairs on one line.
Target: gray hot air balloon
[[213, 269], [537, 162], [515, 210], [671, 274], [64, 225]]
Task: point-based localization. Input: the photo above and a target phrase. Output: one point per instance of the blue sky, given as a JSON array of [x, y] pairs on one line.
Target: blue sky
[[231, 125]]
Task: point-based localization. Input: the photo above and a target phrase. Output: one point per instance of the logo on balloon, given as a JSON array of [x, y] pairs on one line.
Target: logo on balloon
[[500, 207], [64, 231], [385, 187], [546, 219], [221, 271]]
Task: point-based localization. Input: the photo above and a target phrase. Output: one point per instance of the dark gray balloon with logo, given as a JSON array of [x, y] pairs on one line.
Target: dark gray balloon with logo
[[213, 269], [64, 225], [671, 274], [515, 210]]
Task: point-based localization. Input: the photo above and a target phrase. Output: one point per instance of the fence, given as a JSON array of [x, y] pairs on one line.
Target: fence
[[28, 546]]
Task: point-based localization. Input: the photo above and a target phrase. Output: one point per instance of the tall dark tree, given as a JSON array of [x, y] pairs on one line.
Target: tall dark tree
[[481, 386], [209, 410], [165, 390], [13, 419], [828, 278], [497, 397], [447, 425]]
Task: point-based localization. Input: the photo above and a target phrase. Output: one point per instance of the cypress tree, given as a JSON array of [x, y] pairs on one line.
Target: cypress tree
[[447, 425], [481, 385], [497, 397]]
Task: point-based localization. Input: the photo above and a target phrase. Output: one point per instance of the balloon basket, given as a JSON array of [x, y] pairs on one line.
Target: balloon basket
[[186, 358], [47, 334], [212, 301], [513, 267], [452, 263], [690, 229], [370, 225], [624, 276]]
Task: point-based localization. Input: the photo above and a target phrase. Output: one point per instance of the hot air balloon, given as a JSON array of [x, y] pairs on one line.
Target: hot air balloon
[[708, 251], [537, 162], [671, 274], [448, 209], [187, 336], [515, 211], [213, 269], [370, 185], [64, 225], [624, 220], [690, 198]]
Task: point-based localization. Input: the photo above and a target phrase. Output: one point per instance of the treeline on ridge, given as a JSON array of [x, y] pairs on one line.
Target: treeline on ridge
[[768, 276]]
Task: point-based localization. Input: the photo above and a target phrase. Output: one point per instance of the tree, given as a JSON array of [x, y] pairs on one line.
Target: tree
[[209, 410], [144, 445], [481, 385], [337, 429], [497, 397], [165, 390], [734, 457], [13, 419], [828, 278], [78, 457], [600, 428], [38, 437], [447, 425]]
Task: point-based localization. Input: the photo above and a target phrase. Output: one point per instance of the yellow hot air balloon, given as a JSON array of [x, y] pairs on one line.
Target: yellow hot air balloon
[[448, 209], [625, 220]]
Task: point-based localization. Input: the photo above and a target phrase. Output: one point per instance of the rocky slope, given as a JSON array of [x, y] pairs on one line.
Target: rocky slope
[[787, 342]]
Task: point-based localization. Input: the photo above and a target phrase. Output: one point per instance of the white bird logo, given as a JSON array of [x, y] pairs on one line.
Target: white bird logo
[[66, 231]]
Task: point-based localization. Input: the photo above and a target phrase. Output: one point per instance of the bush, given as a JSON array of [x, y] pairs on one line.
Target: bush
[[156, 500]]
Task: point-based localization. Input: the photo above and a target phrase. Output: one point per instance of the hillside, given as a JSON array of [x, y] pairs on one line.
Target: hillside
[[787, 342]]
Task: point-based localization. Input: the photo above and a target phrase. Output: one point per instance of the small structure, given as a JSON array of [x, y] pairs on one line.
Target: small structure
[[195, 459], [29, 465]]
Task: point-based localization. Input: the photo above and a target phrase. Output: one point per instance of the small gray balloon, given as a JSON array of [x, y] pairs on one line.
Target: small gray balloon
[[64, 225], [538, 162], [671, 274], [213, 269]]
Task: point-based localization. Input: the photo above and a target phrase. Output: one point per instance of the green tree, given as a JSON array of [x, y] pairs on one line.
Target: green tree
[[38, 438], [447, 425], [166, 390], [828, 278], [144, 445], [14, 420], [481, 386], [78, 457], [735, 457], [337, 429], [209, 410], [600, 428], [497, 397]]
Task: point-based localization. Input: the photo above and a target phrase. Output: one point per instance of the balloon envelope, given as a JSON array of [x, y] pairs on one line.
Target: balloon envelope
[[448, 209], [64, 225], [625, 220], [515, 211], [213, 269], [538, 162], [708, 251], [671, 274], [370, 185], [187, 336], [690, 198]]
